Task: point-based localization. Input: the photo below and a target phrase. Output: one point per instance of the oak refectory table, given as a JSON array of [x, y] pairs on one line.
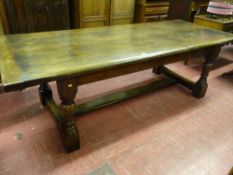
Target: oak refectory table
[[76, 57]]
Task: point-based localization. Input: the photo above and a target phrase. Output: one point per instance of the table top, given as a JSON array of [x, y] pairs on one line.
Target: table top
[[29, 59]]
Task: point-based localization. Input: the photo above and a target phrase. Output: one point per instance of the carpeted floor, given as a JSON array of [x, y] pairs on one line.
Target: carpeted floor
[[167, 132]]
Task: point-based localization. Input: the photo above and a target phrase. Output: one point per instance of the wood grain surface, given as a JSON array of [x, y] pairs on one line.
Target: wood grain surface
[[52, 55]]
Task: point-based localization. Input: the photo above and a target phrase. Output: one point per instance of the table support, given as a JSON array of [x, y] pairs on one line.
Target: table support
[[123, 95], [201, 85], [64, 114], [198, 88], [67, 88], [228, 73]]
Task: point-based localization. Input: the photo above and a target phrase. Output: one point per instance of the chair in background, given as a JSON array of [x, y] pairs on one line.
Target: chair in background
[[219, 16]]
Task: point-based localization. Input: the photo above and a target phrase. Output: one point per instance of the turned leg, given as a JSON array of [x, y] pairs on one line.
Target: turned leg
[[67, 90], [200, 87], [64, 114], [45, 92], [157, 70]]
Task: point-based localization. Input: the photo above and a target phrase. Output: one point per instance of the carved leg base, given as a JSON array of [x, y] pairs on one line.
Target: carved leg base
[[199, 90], [68, 128], [70, 136], [63, 116], [186, 61]]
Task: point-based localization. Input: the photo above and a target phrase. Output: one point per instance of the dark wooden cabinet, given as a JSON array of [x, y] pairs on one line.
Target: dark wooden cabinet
[[23, 16], [45, 15], [3, 18], [36, 15], [1, 31], [186, 9], [180, 9]]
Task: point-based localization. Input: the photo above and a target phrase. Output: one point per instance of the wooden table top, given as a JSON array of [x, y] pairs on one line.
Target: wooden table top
[[29, 59]]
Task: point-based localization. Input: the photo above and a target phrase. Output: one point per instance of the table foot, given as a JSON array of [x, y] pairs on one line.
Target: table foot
[[186, 61], [200, 87], [157, 70], [68, 129]]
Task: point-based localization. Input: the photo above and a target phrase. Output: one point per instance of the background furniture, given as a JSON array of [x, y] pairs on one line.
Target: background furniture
[[1, 28], [43, 15], [218, 24], [180, 9], [92, 13], [3, 17], [150, 10], [22, 16], [155, 10], [220, 8], [198, 7], [219, 16], [186, 9]]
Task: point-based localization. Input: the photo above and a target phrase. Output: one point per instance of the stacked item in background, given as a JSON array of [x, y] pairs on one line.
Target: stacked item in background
[[220, 9]]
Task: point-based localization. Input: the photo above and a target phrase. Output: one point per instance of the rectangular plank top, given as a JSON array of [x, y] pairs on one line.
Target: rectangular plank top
[[29, 59]]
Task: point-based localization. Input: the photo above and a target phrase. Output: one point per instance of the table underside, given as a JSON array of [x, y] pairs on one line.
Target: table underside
[[65, 113]]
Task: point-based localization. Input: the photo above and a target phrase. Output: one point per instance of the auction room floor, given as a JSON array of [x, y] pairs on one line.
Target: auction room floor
[[167, 132]]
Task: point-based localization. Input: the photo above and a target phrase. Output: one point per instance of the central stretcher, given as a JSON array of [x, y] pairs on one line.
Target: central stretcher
[[76, 57]]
